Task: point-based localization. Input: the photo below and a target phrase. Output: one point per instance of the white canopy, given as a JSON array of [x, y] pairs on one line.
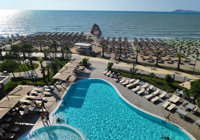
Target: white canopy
[[83, 44]]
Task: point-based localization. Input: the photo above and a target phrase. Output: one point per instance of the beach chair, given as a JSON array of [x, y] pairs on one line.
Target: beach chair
[[12, 114], [166, 104], [132, 80], [108, 73], [155, 99], [26, 109], [39, 110], [163, 94], [123, 79], [25, 101], [148, 96], [52, 87], [47, 93], [105, 72], [136, 89], [141, 91], [29, 97], [176, 99], [145, 85], [5, 119], [156, 92], [125, 83], [116, 80], [172, 106], [172, 98], [136, 82], [47, 90], [15, 128], [129, 85]]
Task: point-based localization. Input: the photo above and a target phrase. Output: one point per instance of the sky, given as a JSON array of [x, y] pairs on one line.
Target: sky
[[105, 5]]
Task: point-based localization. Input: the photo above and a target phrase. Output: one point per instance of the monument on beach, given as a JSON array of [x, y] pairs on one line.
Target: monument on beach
[[96, 30]]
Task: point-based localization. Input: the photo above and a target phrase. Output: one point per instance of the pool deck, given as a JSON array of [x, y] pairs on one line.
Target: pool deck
[[95, 71]]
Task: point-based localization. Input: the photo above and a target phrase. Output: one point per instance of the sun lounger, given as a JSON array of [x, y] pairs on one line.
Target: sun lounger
[[47, 93], [29, 97], [108, 73], [40, 110], [25, 101], [156, 92], [136, 89], [52, 87], [123, 79], [26, 109], [132, 80], [172, 106], [47, 90], [165, 104], [116, 80], [5, 119], [176, 99], [136, 82], [148, 96], [172, 98], [145, 85], [15, 128], [141, 91], [151, 87], [105, 72], [155, 99], [129, 85], [163, 94], [125, 83], [13, 113]]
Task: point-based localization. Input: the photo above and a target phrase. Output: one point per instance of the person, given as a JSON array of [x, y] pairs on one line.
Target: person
[[163, 137], [47, 116], [64, 101], [167, 118], [59, 120], [43, 117], [59, 106], [113, 73]]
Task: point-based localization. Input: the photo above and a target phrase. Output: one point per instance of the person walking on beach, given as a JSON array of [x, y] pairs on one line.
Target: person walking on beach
[[167, 118]]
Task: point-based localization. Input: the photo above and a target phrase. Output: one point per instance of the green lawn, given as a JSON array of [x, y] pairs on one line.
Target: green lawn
[[157, 82]]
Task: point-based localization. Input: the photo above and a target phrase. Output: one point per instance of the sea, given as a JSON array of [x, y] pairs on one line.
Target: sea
[[164, 25]]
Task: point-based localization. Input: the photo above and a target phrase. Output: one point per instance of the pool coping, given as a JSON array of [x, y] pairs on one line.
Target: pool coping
[[118, 92]]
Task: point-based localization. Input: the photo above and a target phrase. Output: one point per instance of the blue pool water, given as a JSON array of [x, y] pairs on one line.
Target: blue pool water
[[53, 133], [96, 109]]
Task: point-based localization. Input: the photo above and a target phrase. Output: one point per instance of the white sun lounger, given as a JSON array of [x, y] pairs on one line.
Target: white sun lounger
[[163, 94], [172, 98], [105, 72], [47, 90], [116, 80], [145, 85], [148, 96], [29, 97], [156, 92], [166, 104], [141, 91], [129, 85], [151, 87], [108, 74], [125, 83], [123, 79], [155, 99], [172, 106], [132, 80], [47, 93], [40, 110], [25, 101], [176, 99], [136, 82], [136, 89], [26, 109]]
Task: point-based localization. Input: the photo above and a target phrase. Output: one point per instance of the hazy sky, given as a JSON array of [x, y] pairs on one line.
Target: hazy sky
[[121, 5]]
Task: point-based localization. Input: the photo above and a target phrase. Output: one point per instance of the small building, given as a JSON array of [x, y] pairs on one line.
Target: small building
[[84, 48], [3, 81]]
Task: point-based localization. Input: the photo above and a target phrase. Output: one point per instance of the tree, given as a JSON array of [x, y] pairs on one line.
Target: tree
[[120, 51], [54, 65], [179, 56], [109, 67], [137, 51], [158, 54], [41, 61], [133, 70], [54, 46], [85, 62], [66, 52], [47, 68], [168, 79], [186, 93], [198, 102], [103, 47], [46, 53], [29, 49], [152, 75], [40, 44], [43, 73], [9, 65], [195, 89]]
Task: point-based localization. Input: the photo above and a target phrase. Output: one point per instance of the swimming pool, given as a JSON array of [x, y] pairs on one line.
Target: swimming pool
[[96, 109], [54, 132]]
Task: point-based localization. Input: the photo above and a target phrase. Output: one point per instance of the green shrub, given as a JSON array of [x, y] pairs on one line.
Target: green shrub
[[24, 82]]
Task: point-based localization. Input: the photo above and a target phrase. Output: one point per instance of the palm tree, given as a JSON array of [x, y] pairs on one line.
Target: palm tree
[[103, 47], [54, 46], [152, 75], [137, 51], [47, 68], [158, 54], [40, 43], [179, 56], [41, 61], [120, 51], [46, 53], [133, 70], [43, 73], [54, 63]]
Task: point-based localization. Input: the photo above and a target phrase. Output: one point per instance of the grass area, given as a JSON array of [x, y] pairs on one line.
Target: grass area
[[157, 82], [27, 67], [12, 84]]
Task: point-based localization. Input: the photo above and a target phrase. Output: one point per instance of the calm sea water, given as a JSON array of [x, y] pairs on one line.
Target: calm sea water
[[113, 24]]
